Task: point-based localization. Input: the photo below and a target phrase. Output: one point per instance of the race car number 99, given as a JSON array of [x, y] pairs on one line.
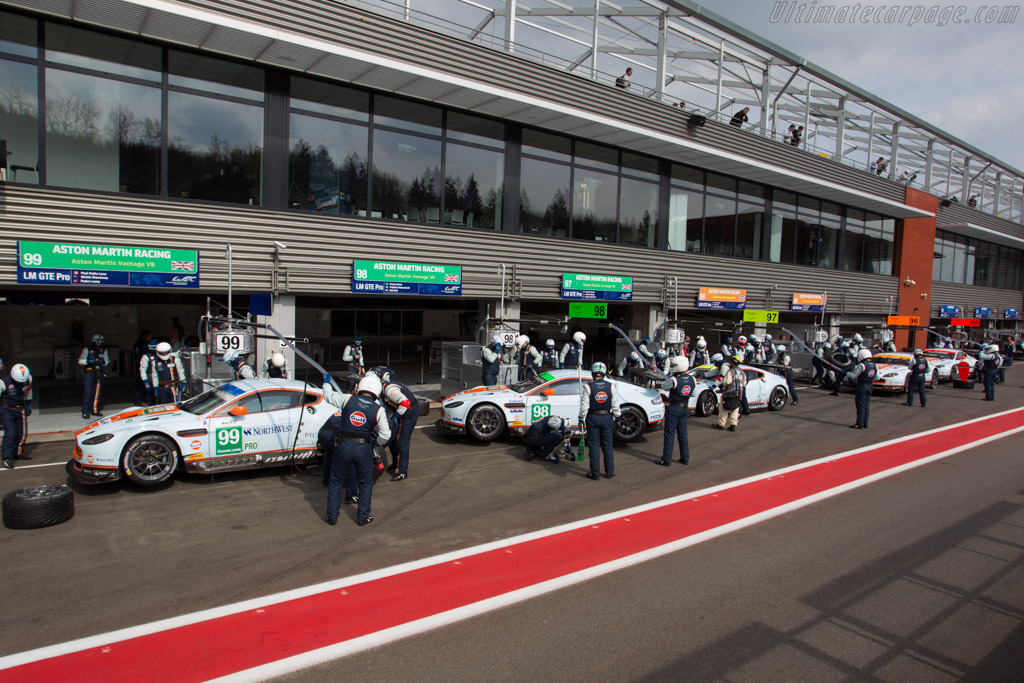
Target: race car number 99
[[229, 440]]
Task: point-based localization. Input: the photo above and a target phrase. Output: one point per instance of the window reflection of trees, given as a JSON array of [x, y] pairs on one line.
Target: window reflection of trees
[[319, 182]]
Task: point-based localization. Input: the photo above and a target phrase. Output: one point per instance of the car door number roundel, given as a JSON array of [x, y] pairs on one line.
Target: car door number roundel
[[229, 441], [539, 410]]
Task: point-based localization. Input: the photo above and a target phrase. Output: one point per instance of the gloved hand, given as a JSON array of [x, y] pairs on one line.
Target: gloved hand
[[327, 378], [28, 408], [148, 384], [181, 388]]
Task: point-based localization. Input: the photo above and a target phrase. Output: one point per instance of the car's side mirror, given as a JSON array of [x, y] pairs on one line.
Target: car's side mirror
[[548, 392], [239, 411]]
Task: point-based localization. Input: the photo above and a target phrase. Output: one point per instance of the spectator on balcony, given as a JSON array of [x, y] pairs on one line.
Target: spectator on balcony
[[739, 118], [883, 165], [973, 201], [797, 137], [681, 105], [789, 133], [623, 80]]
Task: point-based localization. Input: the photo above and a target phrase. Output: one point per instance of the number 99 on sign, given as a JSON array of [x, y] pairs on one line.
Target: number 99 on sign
[[226, 342], [30, 259]]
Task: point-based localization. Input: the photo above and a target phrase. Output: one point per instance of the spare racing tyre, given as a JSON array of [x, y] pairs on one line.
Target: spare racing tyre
[[841, 360], [38, 506], [424, 405]]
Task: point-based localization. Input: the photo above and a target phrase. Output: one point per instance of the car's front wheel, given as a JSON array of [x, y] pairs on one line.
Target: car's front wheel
[[934, 384], [631, 424], [485, 422], [706, 403], [150, 460], [777, 399]]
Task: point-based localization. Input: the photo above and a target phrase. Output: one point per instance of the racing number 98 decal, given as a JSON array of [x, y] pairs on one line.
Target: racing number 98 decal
[[539, 410], [229, 440]]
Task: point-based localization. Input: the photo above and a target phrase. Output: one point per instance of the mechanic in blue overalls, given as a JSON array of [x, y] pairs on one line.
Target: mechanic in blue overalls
[[353, 358], [276, 367], [786, 371], [991, 360], [167, 375], [145, 363], [544, 436], [15, 408], [918, 372], [351, 433], [527, 357], [401, 400], [700, 356], [242, 369], [599, 409], [863, 375], [94, 359], [571, 357], [680, 387], [844, 349], [549, 356], [490, 361]]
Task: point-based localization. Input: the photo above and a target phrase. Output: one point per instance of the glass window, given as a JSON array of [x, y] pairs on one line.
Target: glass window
[[100, 52], [218, 76], [544, 198], [685, 218], [828, 241], [688, 177], [597, 156], [937, 258], [17, 35], [412, 323], [367, 324], [473, 186], [782, 235], [721, 184], [888, 246], [853, 245], [638, 212], [809, 205], [474, 129], [719, 225], [593, 205], [751, 192], [749, 219], [948, 247], [639, 166], [406, 177], [959, 260], [19, 123], [327, 165], [390, 323], [279, 399], [547, 145], [215, 149], [406, 115], [784, 200], [330, 99], [102, 134]]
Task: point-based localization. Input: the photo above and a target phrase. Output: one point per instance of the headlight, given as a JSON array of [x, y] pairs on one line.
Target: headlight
[[452, 405], [891, 375], [657, 401], [97, 439]]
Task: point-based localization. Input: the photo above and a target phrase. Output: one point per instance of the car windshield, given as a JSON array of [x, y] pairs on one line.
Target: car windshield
[[892, 360], [206, 402], [941, 355], [709, 373]]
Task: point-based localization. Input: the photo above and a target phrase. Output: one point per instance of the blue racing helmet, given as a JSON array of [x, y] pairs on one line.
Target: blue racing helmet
[[98, 339], [152, 344], [357, 341], [647, 339]]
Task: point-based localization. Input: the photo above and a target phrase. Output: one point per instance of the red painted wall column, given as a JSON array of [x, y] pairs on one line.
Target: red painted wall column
[[915, 252]]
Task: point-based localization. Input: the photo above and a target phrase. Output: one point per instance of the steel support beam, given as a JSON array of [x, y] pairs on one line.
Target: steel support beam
[[840, 129], [894, 150], [659, 90], [510, 24]]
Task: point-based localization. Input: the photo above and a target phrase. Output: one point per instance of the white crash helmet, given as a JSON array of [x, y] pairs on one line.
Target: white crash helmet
[[767, 337], [20, 373], [370, 384], [550, 343], [661, 353], [599, 368], [230, 355], [633, 355], [826, 346], [993, 348], [579, 338], [163, 352], [701, 344], [277, 360], [555, 422], [754, 339], [522, 340], [717, 358], [496, 339], [679, 364], [864, 354], [857, 338], [780, 348]]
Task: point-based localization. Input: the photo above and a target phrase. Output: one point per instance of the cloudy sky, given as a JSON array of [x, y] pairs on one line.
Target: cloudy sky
[[966, 78]]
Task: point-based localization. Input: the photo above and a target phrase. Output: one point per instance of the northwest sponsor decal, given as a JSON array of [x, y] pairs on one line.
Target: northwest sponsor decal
[[357, 419], [601, 397], [264, 431]]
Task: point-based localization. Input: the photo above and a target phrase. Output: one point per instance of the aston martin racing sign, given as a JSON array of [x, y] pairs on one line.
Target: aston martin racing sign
[[106, 265]]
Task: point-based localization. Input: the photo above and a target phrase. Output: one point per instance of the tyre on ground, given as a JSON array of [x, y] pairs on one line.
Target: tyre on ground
[[36, 507]]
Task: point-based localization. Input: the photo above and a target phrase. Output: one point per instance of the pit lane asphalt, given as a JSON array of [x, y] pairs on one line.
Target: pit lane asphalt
[[131, 555]]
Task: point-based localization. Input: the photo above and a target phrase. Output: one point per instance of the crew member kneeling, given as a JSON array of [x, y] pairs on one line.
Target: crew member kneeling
[[353, 430], [680, 387], [544, 436]]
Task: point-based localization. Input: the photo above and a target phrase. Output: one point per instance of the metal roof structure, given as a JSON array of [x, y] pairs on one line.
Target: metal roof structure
[[681, 51]]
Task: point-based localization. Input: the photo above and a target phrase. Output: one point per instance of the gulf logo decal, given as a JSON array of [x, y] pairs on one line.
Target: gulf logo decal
[[197, 444], [357, 419], [687, 390], [871, 373], [601, 397]]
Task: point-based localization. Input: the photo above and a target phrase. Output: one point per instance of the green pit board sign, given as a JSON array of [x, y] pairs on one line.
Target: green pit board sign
[[390, 277], [594, 287], [586, 309], [760, 316], [111, 265]]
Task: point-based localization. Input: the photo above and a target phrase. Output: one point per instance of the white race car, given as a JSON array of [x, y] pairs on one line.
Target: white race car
[[485, 412], [946, 361], [894, 372], [240, 425], [764, 389]]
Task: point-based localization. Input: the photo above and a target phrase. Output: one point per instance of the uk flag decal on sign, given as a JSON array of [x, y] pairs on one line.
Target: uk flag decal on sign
[[451, 278], [183, 265], [357, 419]]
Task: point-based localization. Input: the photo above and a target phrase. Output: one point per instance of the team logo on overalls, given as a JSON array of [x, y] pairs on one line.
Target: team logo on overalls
[[601, 397], [357, 419], [686, 391], [871, 373]]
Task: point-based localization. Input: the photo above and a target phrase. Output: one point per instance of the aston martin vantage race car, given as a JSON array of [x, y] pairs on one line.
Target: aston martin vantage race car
[[894, 372], [764, 389], [240, 425], [946, 360], [485, 413]]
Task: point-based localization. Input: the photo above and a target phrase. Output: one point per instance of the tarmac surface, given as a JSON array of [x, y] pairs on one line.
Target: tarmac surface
[[916, 577]]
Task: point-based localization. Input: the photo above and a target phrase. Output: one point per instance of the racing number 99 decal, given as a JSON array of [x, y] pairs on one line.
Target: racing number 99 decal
[[539, 410], [229, 440]]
